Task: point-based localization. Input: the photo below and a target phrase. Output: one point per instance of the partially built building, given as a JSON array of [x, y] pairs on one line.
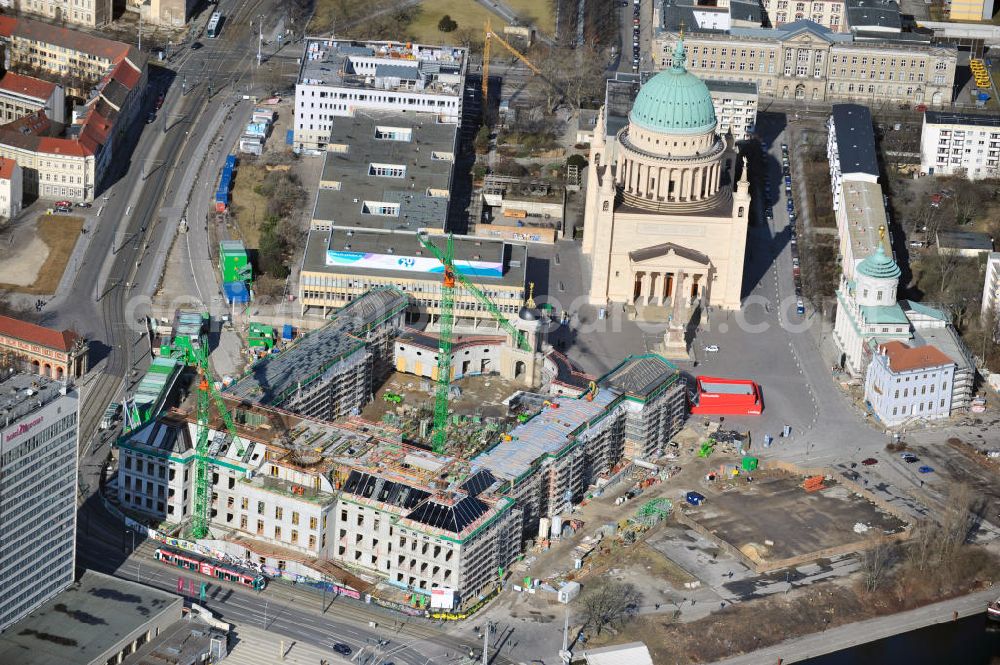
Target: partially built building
[[330, 372]]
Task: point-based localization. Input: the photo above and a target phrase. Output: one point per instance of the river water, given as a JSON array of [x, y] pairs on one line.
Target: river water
[[963, 642]]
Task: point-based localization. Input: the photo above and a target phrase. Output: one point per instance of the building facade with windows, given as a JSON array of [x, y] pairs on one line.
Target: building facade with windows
[[337, 78], [86, 13], [11, 188], [38, 484], [831, 14], [960, 144], [906, 384], [55, 354], [71, 166], [21, 95], [806, 61], [991, 285]]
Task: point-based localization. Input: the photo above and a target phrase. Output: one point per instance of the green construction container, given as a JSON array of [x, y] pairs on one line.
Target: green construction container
[[750, 463], [233, 262]]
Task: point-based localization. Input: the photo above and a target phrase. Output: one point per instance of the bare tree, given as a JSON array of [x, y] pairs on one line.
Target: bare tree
[[608, 604], [876, 560]]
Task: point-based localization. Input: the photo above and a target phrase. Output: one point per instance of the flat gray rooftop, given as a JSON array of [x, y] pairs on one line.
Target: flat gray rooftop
[[640, 375], [405, 244], [270, 379], [84, 621], [22, 393], [386, 65], [421, 168]]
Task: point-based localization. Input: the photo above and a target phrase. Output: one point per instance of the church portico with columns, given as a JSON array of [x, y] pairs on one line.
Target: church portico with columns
[[667, 206]]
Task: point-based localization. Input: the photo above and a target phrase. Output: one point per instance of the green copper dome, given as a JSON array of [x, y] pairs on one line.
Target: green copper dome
[[674, 101], [879, 265]]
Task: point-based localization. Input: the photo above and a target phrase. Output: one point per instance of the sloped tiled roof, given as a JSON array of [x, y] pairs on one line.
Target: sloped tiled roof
[[28, 86], [904, 358], [61, 340], [7, 167]]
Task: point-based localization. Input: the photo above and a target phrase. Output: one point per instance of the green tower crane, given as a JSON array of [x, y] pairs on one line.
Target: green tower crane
[[451, 274], [207, 394]]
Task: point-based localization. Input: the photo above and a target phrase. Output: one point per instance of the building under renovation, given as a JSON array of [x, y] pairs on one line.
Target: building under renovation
[[347, 500], [572, 443], [330, 372]]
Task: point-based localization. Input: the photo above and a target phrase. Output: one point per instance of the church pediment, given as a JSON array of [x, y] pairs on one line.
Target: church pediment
[[668, 249]]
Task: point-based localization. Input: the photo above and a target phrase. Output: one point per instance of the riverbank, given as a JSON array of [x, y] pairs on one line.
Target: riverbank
[[862, 632]]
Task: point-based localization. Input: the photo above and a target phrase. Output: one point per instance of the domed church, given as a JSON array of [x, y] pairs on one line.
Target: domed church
[[666, 217]]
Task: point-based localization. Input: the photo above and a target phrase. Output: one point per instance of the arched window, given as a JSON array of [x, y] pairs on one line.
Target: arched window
[[739, 213], [606, 206]]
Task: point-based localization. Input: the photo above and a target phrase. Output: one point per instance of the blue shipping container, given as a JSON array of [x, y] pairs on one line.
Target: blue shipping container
[[286, 332], [236, 293], [694, 498], [290, 137]]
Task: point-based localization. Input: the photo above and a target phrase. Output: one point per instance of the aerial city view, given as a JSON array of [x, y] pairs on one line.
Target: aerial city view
[[501, 332]]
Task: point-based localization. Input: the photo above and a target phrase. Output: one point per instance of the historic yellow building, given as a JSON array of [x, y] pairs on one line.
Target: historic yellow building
[[664, 229]]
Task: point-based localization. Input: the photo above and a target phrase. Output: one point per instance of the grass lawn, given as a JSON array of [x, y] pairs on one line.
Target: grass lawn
[[467, 13], [538, 12], [59, 233], [248, 207]]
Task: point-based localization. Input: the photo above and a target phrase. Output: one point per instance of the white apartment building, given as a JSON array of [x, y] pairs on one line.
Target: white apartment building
[[88, 13], [831, 14], [38, 481], [806, 61], [960, 144], [21, 95], [991, 285], [11, 188], [908, 384], [337, 78]]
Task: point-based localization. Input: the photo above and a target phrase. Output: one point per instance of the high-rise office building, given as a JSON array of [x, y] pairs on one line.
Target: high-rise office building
[[38, 468]]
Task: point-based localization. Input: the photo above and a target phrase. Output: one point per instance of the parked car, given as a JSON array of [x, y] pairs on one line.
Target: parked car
[[926, 469], [62, 204], [84, 204], [712, 348], [910, 458], [800, 307]]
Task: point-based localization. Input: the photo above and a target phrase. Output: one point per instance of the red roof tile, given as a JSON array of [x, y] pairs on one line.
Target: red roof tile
[[904, 358], [7, 25], [26, 28], [61, 340], [26, 85], [126, 74], [7, 167]]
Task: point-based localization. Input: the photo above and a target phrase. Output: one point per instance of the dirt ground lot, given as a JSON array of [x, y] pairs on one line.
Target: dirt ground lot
[[779, 511], [35, 262], [481, 395]]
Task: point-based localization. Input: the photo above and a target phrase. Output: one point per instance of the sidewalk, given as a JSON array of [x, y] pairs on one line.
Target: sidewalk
[[853, 634]]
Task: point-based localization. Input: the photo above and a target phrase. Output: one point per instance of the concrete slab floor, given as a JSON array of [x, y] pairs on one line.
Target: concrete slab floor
[[481, 395], [777, 509]]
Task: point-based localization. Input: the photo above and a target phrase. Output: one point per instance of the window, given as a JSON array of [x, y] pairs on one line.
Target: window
[[260, 527], [243, 522], [380, 208], [244, 503], [387, 170], [295, 518], [260, 507], [312, 541], [277, 532], [312, 522], [278, 512], [295, 537]]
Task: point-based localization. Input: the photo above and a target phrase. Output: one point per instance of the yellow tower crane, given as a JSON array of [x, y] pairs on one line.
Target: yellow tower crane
[[488, 37]]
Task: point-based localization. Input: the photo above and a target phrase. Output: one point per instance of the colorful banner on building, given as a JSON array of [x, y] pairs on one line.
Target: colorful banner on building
[[424, 264]]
